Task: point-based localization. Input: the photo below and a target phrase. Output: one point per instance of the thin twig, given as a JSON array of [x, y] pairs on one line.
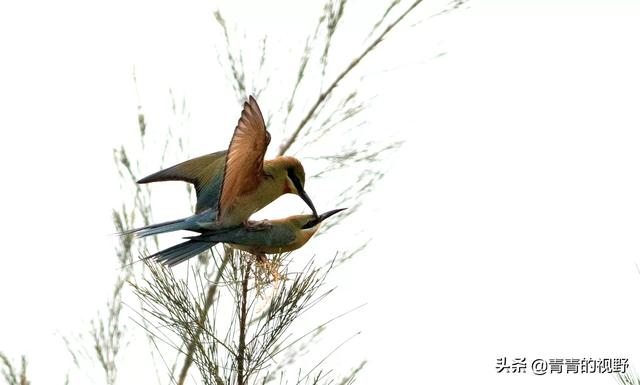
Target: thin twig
[[328, 355], [203, 317], [243, 324], [284, 147]]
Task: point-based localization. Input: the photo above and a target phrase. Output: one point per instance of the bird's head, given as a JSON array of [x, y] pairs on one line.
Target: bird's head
[[295, 181], [311, 222]]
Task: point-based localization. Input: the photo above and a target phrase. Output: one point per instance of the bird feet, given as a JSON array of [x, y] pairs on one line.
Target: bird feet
[[257, 225], [261, 258], [270, 267]]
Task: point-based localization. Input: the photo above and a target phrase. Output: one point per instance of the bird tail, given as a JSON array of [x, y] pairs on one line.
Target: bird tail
[[192, 223], [158, 228], [181, 252]]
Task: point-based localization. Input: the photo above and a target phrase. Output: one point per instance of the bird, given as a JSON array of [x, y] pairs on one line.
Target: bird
[[279, 236], [233, 184]]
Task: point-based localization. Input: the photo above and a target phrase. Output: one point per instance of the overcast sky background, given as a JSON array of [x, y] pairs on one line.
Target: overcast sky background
[[507, 224]]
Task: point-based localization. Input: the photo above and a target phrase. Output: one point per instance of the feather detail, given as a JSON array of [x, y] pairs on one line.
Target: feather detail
[[243, 170]]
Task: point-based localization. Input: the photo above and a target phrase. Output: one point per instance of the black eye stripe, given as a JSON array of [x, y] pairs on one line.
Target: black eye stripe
[[294, 179], [311, 223]]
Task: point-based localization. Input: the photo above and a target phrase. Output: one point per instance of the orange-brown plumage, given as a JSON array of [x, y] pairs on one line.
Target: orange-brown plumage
[[232, 185], [244, 172]]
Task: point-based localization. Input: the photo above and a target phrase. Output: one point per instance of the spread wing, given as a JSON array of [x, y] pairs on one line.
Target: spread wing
[[245, 156], [204, 172]]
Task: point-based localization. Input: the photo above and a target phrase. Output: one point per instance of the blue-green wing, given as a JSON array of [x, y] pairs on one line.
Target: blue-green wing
[[204, 172], [277, 235]]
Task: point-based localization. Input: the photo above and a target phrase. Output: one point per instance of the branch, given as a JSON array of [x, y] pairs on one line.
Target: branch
[[284, 147], [11, 376], [203, 317], [243, 324]]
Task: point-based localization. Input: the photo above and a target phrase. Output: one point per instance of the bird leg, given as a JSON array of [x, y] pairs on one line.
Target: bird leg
[[257, 225], [261, 258]]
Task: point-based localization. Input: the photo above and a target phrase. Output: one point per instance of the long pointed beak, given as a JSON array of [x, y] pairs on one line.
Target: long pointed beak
[[308, 201], [326, 215]]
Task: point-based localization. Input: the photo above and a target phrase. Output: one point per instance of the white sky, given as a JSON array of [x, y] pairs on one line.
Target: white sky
[[507, 225]]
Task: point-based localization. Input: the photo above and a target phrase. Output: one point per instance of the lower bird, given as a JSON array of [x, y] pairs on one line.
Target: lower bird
[[272, 237]]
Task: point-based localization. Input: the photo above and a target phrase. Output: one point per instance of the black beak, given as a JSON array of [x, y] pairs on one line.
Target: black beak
[[321, 218], [326, 215], [296, 182], [308, 201]]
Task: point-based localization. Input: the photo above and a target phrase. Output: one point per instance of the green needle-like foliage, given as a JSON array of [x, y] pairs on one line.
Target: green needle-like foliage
[[232, 317]]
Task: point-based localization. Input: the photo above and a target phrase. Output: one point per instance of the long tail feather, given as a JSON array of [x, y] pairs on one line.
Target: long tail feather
[[192, 223], [181, 252], [157, 228]]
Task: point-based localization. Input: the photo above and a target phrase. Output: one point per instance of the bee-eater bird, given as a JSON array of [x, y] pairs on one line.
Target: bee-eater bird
[[277, 236], [231, 185]]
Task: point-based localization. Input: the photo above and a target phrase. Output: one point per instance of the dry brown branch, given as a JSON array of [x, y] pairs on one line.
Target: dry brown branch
[[242, 343], [284, 147]]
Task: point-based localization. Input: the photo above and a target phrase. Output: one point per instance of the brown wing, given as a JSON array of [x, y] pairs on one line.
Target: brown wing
[[245, 156]]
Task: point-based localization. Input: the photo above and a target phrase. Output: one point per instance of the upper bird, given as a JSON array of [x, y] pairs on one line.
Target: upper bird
[[280, 236], [232, 185]]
